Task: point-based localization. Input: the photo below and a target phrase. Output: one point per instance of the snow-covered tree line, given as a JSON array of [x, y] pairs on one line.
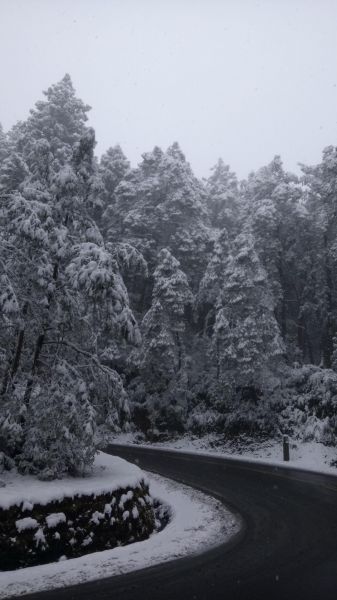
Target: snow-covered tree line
[[146, 296]]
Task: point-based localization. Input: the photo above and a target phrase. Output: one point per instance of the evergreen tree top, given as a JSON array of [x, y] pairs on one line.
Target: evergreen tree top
[[61, 116], [175, 151], [221, 173]]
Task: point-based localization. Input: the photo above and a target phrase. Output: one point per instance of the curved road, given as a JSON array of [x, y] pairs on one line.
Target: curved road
[[286, 550]]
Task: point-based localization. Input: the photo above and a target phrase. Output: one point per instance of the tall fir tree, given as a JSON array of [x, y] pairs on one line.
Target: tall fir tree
[[62, 294], [223, 198], [246, 342], [213, 281], [321, 193], [162, 205], [113, 168], [275, 213], [163, 353]]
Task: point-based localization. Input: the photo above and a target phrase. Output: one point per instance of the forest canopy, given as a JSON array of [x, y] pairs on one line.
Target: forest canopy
[[148, 298]]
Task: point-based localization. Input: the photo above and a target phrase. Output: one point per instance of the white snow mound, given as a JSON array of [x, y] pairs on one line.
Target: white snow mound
[[110, 473]]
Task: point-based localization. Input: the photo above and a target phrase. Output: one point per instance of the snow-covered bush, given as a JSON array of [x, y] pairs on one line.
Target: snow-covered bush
[[203, 420], [309, 405], [74, 526], [59, 427]]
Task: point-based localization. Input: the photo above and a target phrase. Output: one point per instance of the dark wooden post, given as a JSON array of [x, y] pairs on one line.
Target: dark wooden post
[[285, 448]]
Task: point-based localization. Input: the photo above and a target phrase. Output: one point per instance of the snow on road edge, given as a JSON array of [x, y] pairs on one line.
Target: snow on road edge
[[198, 523], [305, 456]]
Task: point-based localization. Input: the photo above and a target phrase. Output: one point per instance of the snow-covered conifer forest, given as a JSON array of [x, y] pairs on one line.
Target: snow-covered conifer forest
[[147, 298]]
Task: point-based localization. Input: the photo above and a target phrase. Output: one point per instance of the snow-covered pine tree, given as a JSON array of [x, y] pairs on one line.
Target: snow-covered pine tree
[[63, 293], [172, 289], [212, 281], [162, 205], [275, 213], [3, 145], [113, 168], [13, 172], [158, 354], [222, 198], [321, 194], [60, 425], [246, 342], [55, 125], [162, 360]]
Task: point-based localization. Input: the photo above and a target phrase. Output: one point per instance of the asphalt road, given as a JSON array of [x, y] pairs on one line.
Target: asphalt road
[[287, 548]]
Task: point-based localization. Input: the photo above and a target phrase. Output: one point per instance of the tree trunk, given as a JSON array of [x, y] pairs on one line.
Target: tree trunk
[[179, 346], [283, 304], [300, 334], [328, 328], [309, 346], [36, 359], [38, 347], [11, 371], [18, 352]]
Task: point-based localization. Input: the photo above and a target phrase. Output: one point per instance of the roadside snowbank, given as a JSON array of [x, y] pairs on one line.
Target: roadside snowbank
[[109, 474], [43, 521], [311, 456], [198, 522]]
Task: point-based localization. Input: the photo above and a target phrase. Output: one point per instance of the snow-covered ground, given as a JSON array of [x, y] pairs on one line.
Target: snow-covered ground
[[197, 522], [109, 474], [311, 456]]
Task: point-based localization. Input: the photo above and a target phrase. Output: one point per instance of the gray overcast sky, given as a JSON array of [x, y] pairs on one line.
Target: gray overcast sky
[[241, 79]]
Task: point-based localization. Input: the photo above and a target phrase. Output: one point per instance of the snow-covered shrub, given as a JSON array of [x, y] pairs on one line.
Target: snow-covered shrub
[[59, 427], [170, 417], [74, 526], [159, 413], [11, 425], [203, 420], [309, 405], [6, 463], [251, 419]]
